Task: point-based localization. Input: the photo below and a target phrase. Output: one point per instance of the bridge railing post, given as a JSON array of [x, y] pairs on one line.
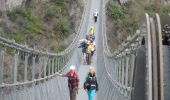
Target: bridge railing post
[[132, 63], [52, 65], [26, 68], [119, 72], [40, 66], [49, 66], [63, 58], [58, 64], [55, 65], [33, 67], [126, 73], [15, 68], [1, 66], [114, 70], [45, 66], [123, 73]]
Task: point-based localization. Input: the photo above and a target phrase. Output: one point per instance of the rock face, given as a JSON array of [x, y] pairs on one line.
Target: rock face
[[11, 4]]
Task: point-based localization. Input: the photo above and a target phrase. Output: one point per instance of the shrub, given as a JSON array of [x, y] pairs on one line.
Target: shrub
[[115, 11], [149, 8], [62, 48], [165, 9], [63, 27], [52, 11], [18, 37]]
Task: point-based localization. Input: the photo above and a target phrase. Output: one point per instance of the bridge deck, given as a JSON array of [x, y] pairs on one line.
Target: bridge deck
[[88, 22]]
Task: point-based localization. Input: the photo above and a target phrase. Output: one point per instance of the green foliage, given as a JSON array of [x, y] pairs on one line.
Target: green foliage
[[63, 27], [48, 19], [18, 37], [1, 24], [27, 23], [149, 8], [165, 9], [125, 19], [59, 2], [115, 11], [52, 11], [62, 47]]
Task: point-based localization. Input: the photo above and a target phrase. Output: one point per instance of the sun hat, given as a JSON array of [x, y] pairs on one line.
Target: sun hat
[[72, 67]]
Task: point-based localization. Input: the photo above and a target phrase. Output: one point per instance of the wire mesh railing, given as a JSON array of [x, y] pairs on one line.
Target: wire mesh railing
[[30, 74], [117, 75]]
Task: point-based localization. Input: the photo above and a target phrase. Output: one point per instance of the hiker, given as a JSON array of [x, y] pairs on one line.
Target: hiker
[[73, 82], [84, 44], [93, 44], [89, 53], [91, 31], [90, 84], [95, 14]]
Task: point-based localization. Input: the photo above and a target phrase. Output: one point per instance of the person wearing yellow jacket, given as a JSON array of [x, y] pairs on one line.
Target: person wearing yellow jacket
[[91, 31]]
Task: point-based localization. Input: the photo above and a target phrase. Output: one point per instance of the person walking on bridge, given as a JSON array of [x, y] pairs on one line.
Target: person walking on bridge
[[91, 33], [84, 44], [73, 82], [95, 15], [90, 84]]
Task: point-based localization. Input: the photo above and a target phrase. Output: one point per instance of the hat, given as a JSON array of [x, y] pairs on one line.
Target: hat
[[72, 67]]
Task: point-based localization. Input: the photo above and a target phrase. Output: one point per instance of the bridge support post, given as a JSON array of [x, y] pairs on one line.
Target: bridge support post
[[123, 74], [1, 66], [26, 67], [58, 64], [40, 66], [117, 70], [114, 71], [132, 63], [52, 65], [45, 66], [33, 68], [119, 73], [127, 73], [63, 58], [49, 66], [15, 64]]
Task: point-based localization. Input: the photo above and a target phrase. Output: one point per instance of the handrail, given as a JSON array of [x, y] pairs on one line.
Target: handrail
[[126, 48]]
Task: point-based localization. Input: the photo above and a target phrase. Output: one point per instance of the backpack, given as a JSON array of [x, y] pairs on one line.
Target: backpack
[[73, 80], [91, 82]]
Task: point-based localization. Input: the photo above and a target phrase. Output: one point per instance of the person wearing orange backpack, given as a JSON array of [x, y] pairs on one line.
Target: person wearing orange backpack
[[73, 82]]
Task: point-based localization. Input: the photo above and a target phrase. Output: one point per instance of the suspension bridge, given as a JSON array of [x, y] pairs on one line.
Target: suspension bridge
[[138, 70]]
